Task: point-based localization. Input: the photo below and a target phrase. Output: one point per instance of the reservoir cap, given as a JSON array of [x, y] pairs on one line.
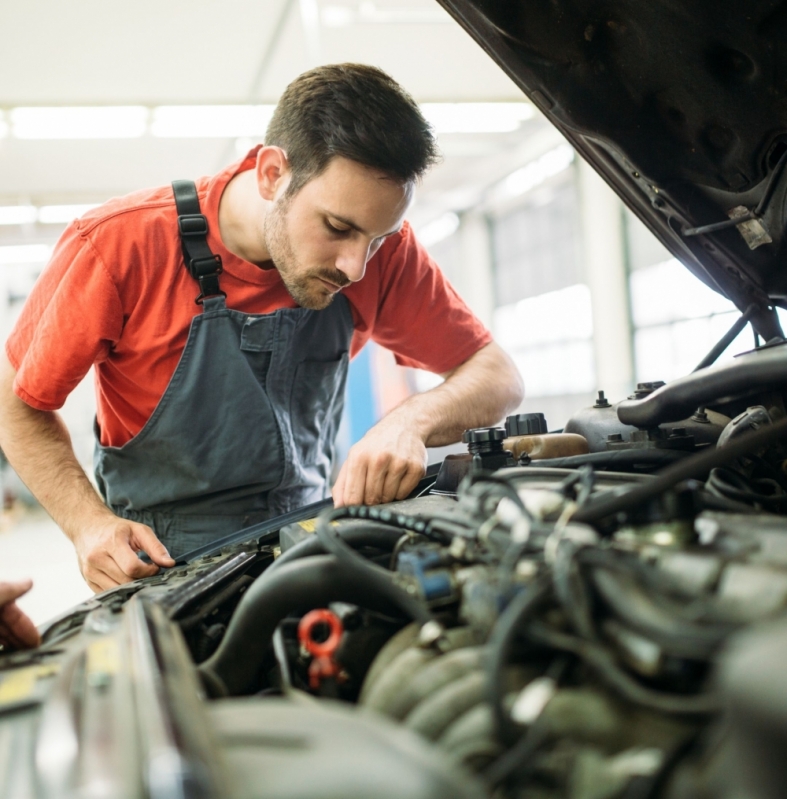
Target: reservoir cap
[[526, 424]]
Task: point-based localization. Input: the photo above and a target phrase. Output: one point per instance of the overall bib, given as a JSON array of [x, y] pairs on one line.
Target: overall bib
[[246, 427]]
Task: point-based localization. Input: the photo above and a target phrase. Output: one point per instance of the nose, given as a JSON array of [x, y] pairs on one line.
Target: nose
[[352, 260]]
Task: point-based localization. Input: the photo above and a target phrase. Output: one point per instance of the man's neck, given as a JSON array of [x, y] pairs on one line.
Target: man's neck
[[241, 215]]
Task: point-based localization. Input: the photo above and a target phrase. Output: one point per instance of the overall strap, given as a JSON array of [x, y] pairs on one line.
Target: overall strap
[[203, 265]]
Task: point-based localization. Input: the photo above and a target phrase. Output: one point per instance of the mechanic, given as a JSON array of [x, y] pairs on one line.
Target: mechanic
[[17, 631], [217, 414]]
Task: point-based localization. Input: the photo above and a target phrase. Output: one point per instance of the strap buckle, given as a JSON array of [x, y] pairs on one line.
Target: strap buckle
[[202, 267], [202, 264], [192, 225], [209, 287]]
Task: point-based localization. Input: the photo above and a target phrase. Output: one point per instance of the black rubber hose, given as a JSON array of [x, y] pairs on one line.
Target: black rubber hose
[[513, 617], [699, 465], [295, 588], [730, 484], [623, 460], [369, 535]]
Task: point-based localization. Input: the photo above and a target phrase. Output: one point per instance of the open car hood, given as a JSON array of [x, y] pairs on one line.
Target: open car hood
[[681, 107]]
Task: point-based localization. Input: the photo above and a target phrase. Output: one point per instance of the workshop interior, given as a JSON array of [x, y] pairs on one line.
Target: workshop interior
[[584, 601]]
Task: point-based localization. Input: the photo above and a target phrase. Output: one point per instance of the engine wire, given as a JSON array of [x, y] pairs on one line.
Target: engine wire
[[334, 544]]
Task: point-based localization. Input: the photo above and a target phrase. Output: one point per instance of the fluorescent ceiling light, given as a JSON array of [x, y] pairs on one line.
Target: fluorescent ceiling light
[[227, 121], [476, 117], [18, 214], [538, 171], [439, 229], [337, 16], [3, 126], [25, 254], [210, 121], [98, 122], [62, 214], [340, 16]]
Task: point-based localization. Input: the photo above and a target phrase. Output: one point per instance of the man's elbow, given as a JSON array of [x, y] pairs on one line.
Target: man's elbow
[[511, 385], [7, 376]]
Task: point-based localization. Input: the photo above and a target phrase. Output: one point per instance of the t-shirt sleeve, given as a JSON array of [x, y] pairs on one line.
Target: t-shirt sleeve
[[70, 321], [421, 318]]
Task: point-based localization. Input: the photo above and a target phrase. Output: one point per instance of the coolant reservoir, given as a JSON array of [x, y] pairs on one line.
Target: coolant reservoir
[[527, 433]]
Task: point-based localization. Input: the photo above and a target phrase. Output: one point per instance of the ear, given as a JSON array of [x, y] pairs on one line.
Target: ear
[[273, 172]]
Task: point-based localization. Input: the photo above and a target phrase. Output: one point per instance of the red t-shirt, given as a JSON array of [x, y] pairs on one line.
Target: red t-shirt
[[117, 294]]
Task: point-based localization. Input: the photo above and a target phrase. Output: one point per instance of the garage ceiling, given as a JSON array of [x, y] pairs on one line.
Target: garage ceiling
[[152, 53]]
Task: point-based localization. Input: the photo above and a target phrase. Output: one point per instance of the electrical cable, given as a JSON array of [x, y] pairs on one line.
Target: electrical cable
[[517, 761], [335, 545], [499, 482], [661, 583], [521, 607], [603, 663], [369, 535], [570, 590], [655, 619]]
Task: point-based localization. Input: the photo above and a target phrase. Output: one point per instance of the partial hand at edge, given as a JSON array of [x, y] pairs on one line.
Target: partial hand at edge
[[17, 631], [385, 465], [107, 553]]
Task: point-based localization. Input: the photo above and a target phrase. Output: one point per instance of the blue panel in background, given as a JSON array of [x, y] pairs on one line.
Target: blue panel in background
[[360, 406]]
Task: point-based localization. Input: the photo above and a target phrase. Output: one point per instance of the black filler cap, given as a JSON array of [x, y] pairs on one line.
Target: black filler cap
[[484, 436], [526, 424]]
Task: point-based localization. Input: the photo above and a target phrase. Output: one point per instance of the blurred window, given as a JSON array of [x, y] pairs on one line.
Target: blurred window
[[676, 318], [543, 317], [535, 246]]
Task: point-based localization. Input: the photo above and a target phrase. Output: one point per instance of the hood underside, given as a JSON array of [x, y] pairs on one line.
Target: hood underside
[[681, 107]]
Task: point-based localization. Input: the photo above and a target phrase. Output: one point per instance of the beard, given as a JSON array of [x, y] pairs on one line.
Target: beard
[[301, 282]]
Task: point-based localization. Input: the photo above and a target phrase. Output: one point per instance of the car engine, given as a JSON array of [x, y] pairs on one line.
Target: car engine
[[541, 626]]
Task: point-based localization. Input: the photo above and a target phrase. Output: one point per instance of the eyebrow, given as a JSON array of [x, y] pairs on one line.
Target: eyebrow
[[352, 225]]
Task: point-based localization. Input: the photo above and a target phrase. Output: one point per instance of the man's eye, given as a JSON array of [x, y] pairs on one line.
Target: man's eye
[[333, 229]]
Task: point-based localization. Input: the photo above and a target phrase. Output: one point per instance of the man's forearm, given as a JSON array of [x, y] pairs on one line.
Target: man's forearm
[[477, 393], [39, 448], [388, 461]]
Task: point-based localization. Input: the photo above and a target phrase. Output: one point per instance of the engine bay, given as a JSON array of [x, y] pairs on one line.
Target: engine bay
[[533, 627]]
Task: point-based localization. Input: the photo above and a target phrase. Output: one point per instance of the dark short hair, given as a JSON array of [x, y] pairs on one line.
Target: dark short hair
[[354, 111]]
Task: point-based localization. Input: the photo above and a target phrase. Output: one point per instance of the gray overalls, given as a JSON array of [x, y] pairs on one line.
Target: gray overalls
[[246, 427]]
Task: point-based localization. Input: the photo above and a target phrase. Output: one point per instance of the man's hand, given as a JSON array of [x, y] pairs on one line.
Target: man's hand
[[17, 631], [107, 552], [386, 464]]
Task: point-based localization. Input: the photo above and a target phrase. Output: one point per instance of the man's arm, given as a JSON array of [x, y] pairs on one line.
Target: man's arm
[[387, 463], [38, 446]]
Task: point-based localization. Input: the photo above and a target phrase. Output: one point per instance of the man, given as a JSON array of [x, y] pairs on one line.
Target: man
[[216, 415]]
